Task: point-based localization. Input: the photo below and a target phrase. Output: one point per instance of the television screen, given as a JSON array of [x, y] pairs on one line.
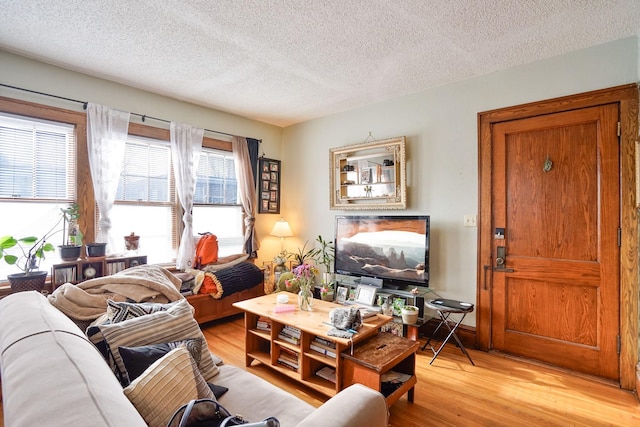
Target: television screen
[[392, 248]]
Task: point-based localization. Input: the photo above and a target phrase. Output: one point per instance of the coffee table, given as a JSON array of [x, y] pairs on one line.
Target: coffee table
[[300, 359]]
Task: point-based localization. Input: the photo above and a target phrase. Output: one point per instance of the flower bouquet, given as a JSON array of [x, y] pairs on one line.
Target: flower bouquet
[[304, 275]]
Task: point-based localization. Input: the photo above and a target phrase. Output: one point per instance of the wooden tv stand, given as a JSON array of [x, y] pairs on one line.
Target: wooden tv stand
[[266, 347]]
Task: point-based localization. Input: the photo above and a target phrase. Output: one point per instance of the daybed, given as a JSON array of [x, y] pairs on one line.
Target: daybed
[[233, 279], [53, 375]]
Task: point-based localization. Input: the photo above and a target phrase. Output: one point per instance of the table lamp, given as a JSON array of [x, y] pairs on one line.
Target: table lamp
[[281, 229]]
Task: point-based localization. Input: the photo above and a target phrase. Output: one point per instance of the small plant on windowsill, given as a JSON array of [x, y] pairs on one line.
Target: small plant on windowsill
[[72, 240]]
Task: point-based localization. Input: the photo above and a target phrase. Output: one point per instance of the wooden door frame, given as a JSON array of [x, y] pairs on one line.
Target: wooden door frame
[[627, 98]]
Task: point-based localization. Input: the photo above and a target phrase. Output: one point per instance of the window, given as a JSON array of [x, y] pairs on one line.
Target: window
[[37, 178], [216, 206], [145, 201]]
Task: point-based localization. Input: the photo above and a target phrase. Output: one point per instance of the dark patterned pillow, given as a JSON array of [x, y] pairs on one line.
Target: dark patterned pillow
[[137, 359], [121, 311]]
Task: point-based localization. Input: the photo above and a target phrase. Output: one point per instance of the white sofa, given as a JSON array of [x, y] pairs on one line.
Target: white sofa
[[52, 375]]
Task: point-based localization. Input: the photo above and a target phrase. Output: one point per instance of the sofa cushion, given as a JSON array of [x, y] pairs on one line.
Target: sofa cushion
[[257, 399], [165, 386], [175, 324], [137, 359]]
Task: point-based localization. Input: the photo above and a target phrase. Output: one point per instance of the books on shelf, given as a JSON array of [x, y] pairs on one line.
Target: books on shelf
[[290, 335], [292, 331], [288, 358], [322, 346], [289, 339], [327, 373], [263, 324], [325, 342], [115, 267], [64, 275]]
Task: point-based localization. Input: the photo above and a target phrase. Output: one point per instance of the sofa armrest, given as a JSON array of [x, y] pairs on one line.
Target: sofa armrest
[[354, 406]]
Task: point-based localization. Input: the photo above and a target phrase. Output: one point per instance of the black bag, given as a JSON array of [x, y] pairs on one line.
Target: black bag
[[209, 413]]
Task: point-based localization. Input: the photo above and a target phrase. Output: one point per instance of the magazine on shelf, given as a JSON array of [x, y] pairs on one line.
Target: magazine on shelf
[[327, 373], [393, 376]]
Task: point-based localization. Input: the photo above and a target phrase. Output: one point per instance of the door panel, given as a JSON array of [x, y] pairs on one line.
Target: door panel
[[556, 194]]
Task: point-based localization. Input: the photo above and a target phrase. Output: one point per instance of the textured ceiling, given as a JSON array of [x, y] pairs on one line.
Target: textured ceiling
[[287, 61]]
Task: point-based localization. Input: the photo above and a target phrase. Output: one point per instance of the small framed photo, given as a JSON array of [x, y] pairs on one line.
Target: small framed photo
[[365, 176], [342, 294], [366, 294]]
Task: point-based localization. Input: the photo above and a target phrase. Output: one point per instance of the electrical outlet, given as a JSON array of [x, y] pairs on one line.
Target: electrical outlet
[[469, 220]]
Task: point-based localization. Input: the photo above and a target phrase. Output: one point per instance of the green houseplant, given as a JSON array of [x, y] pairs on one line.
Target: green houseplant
[[324, 256], [303, 254], [72, 240], [31, 251]]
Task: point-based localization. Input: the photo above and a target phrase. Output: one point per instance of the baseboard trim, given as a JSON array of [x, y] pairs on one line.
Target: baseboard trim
[[467, 334]]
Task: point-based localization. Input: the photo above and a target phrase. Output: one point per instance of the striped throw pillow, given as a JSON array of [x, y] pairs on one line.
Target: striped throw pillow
[[165, 386], [175, 324]]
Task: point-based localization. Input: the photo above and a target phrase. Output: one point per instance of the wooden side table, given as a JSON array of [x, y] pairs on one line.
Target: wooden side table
[[374, 360]]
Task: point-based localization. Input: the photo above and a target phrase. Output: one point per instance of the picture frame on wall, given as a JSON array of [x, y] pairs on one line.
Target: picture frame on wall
[[269, 186]]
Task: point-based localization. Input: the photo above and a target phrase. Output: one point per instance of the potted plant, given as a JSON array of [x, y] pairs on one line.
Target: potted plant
[[32, 250], [409, 314], [325, 255], [301, 256], [72, 240]]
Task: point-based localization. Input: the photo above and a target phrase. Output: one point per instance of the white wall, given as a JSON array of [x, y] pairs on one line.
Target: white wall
[[441, 129], [33, 75]]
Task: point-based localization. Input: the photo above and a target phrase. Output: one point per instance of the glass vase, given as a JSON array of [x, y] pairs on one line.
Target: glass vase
[[305, 299]]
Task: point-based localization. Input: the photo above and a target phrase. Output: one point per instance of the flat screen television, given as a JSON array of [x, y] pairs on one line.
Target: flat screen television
[[392, 248]]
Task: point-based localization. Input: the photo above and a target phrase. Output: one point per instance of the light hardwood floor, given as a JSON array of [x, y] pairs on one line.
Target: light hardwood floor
[[498, 391]]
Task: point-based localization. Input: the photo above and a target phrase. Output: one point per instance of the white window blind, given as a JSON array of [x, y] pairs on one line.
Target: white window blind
[[146, 174], [37, 179], [145, 201], [37, 159], [216, 208], [217, 183]]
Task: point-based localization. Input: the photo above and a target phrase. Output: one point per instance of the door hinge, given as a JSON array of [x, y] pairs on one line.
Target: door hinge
[[619, 237], [619, 128], [619, 344]]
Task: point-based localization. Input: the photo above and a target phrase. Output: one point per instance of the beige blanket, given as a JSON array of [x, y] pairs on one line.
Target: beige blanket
[[88, 300]]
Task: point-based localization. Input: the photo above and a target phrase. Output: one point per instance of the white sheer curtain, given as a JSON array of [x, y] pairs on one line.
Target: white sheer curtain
[[107, 131], [244, 175], [186, 144]]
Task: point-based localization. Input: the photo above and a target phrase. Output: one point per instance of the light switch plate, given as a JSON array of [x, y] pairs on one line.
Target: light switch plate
[[469, 220]]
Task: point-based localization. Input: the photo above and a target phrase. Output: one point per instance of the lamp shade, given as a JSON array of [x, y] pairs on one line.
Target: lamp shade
[[281, 229]]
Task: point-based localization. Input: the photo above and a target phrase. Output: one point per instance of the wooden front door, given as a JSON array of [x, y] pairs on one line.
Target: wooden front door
[[555, 210]]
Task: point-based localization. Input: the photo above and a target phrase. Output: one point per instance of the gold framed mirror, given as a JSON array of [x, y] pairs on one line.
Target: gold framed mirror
[[370, 175]]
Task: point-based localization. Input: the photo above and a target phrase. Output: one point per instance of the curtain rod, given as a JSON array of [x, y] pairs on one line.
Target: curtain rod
[[85, 103]]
